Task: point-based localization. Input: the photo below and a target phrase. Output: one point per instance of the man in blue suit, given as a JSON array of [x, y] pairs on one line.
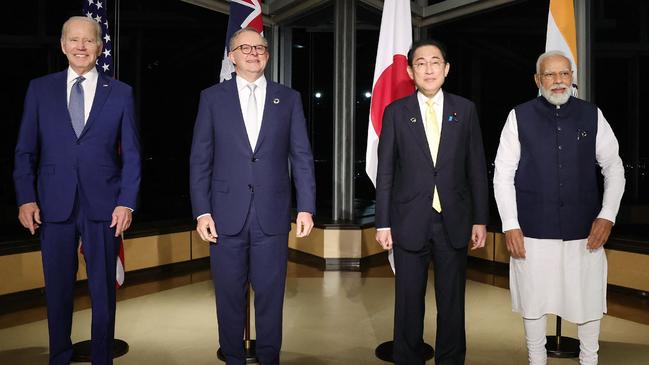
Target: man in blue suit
[[247, 131], [431, 201], [77, 176]]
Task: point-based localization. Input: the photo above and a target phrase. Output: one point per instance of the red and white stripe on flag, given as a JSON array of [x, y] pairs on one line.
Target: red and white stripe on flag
[[119, 268], [243, 13], [391, 80], [562, 33]]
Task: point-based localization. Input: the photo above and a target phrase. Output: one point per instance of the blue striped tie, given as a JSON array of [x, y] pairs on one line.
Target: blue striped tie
[[76, 108]]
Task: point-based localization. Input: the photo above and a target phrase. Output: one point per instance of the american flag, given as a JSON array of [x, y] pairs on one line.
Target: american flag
[[243, 13], [98, 10]]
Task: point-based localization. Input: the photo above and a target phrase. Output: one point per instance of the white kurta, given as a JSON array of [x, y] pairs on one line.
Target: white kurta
[[558, 277]]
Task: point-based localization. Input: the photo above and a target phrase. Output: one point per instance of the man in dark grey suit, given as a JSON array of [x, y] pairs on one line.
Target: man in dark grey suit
[[431, 200]]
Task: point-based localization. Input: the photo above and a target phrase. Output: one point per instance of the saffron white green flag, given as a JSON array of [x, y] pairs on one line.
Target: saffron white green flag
[[562, 34]]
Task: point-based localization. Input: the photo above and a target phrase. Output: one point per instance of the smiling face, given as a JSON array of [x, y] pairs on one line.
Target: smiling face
[[80, 45], [555, 79], [249, 66], [429, 69]]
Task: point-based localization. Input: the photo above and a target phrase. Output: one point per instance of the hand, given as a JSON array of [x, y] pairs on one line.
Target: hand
[[304, 224], [206, 228], [122, 217], [384, 238], [29, 216], [599, 232], [478, 236], [515, 243]]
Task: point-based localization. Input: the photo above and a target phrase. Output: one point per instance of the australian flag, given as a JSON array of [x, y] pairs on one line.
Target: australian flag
[[98, 10], [243, 14]]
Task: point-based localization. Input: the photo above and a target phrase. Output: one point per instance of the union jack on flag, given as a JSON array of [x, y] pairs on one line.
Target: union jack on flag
[[98, 10], [243, 14]]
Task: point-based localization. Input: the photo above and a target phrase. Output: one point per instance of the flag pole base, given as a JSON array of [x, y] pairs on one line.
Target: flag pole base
[[384, 351], [81, 350], [248, 348]]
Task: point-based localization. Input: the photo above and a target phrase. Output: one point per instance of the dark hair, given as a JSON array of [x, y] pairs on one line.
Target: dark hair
[[423, 43]]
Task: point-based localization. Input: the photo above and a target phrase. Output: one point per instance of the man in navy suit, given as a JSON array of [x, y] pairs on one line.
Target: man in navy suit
[[431, 200], [77, 175], [247, 131]]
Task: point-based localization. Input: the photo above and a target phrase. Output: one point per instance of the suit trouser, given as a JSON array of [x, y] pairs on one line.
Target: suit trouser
[[449, 265], [59, 245], [255, 257]]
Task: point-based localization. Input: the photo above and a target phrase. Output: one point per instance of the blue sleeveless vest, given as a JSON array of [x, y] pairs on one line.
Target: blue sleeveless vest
[[557, 194]]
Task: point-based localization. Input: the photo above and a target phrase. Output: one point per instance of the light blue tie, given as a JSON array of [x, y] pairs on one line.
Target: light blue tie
[[76, 108]]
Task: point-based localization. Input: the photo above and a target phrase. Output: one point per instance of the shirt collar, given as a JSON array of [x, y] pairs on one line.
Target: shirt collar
[[438, 99], [243, 83], [90, 76]]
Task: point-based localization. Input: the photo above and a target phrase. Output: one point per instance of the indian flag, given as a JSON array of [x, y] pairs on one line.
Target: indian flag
[[562, 33]]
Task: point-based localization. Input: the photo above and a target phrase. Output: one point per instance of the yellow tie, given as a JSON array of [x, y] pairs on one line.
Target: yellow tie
[[432, 135]]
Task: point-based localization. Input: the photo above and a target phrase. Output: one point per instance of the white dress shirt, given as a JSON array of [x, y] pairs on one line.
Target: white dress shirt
[[89, 87], [244, 95], [438, 107], [508, 156]]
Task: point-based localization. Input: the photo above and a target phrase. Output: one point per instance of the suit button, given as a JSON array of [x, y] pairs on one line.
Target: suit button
[[254, 159], [78, 143], [435, 173], [560, 148], [251, 188], [559, 128], [560, 166]]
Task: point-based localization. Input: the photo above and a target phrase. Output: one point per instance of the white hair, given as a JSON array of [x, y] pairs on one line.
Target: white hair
[[86, 19], [547, 54]]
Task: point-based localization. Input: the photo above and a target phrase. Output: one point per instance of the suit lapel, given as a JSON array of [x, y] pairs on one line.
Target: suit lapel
[[104, 86], [448, 136], [416, 127], [272, 95], [61, 99], [239, 125]]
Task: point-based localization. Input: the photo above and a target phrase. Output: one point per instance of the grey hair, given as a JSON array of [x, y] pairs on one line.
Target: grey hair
[[547, 54], [86, 19], [243, 30]]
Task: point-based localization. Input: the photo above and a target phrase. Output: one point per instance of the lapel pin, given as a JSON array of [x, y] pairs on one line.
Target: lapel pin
[[413, 120], [453, 118], [276, 101]]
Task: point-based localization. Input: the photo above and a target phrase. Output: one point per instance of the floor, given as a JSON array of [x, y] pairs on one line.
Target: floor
[[330, 317]]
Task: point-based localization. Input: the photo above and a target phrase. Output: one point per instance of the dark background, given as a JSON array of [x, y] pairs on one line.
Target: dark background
[[171, 50]]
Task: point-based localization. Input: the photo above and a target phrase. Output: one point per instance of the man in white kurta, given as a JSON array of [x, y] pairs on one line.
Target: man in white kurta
[[554, 219]]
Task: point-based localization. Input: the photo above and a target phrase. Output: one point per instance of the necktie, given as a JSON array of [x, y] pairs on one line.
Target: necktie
[[76, 108], [251, 117], [432, 135]]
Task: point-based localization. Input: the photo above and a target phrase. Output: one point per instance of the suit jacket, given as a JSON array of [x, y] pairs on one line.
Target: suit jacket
[[406, 173], [52, 164], [225, 173]]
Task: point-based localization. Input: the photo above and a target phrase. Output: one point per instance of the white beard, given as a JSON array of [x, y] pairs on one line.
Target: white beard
[[556, 99]]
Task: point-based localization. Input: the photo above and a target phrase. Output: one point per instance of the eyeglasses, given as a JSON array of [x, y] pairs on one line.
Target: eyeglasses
[[246, 48], [550, 76], [435, 65]]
